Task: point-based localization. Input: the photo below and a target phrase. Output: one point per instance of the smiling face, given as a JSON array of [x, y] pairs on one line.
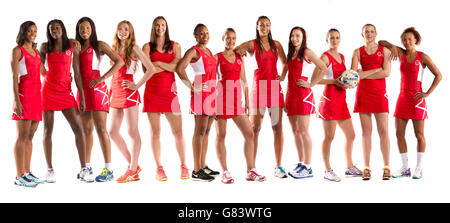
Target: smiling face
[[296, 38], [202, 35], [229, 39], [123, 31], [334, 39], [160, 27], [409, 41], [85, 30], [31, 34], [55, 30], [369, 33], [263, 27]]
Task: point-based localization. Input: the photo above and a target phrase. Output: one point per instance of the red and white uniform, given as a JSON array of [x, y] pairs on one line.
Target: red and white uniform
[[299, 100], [333, 104], [29, 86], [411, 83], [120, 96], [266, 89], [371, 96], [96, 98], [57, 89], [160, 90], [204, 103], [229, 90]]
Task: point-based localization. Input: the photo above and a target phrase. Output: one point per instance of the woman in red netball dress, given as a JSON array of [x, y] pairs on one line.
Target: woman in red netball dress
[[125, 97], [300, 98], [333, 107], [203, 98], [160, 95], [231, 75], [371, 97], [95, 92], [411, 101], [26, 70], [266, 89], [58, 52]]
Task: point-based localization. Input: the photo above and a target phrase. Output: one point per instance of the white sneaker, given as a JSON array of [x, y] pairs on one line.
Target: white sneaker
[[402, 172], [50, 178], [227, 178], [418, 173], [331, 176], [253, 175], [280, 172], [86, 176]]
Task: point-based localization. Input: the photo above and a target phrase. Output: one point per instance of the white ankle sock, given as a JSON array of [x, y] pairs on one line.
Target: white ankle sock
[[420, 160], [404, 157]]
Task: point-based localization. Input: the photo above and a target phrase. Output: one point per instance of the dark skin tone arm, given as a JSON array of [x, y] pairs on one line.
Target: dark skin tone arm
[[190, 56], [16, 55], [77, 76]]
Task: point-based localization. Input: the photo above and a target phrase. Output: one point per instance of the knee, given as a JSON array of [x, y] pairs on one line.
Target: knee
[[249, 135], [420, 136], [383, 132], [155, 132], [277, 129], [207, 131], [400, 134], [113, 132], [220, 136], [88, 130], [133, 132], [328, 138]]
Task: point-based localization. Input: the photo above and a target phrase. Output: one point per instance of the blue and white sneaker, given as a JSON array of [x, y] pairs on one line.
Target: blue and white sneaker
[[24, 182], [280, 172], [353, 172], [402, 172], [86, 176], [296, 169], [105, 176], [90, 172], [302, 173], [33, 178]]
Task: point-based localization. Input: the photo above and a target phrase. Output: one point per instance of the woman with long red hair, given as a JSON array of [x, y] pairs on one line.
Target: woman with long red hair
[[266, 93], [160, 95], [125, 98], [411, 100]]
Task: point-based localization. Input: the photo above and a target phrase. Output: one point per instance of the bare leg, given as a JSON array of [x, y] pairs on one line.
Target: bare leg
[[48, 131], [155, 131], [221, 130], [256, 119], [329, 127], [88, 128], [349, 132], [72, 115], [366, 126], [243, 123], [400, 130], [205, 142], [201, 124], [382, 127], [293, 120], [176, 124], [276, 117], [100, 118], [132, 117], [23, 127], [114, 132], [29, 146], [419, 132]]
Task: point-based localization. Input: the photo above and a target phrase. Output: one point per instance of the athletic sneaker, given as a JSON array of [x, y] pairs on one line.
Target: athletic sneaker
[[252, 175], [353, 172], [280, 172], [86, 176], [50, 178], [387, 174], [90, 172], [402, 172], [128, 176], [211, 172], [105, 176], [418, 173], [227, 178], [301, 173], [201, 176], [184, 172], [331, 176], [298, 167], [25, 182], [366, 174], [160, 174], [33, 178]]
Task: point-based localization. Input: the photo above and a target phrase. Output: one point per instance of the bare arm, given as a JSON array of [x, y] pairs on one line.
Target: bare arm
[[437, 77], [147, 63], [244, 85], [190, 55], [77, 75], [16, 55], [42, 55], [354, 66], [171, 67], [396, 51], [146, 50], [319, 71], [244, 48], [385, 70], [326, 61], [118, 63], [283, 60]]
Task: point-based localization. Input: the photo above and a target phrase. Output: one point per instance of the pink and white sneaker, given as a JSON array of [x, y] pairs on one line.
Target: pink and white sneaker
[[227, 178], [252, 175]]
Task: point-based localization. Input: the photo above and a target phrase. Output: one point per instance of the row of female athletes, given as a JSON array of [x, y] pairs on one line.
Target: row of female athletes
[[214, 96]]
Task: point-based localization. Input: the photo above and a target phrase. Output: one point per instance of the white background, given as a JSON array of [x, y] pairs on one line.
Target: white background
[[390, 18]]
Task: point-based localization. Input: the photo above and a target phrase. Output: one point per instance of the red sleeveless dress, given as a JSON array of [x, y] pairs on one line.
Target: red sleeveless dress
[[299, 100]]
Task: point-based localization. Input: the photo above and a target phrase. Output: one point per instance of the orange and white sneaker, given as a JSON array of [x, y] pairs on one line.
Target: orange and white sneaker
[[129, 176], [160, 174], [252, 175], [227, 178], [184, 172]]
